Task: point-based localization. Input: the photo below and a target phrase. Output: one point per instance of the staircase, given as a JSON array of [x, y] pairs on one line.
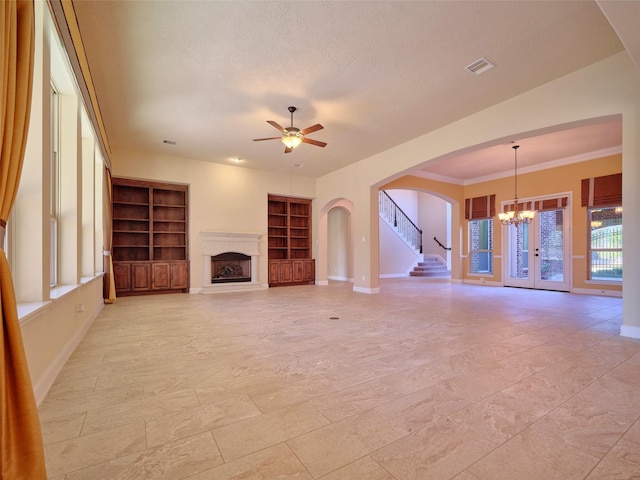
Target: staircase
[[389, 210], [433, 266]]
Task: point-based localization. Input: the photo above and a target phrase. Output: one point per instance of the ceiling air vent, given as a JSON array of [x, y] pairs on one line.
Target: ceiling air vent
[[479, 66]]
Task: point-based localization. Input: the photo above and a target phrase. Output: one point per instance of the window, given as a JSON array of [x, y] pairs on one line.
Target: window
[[481, 245], [605, 243], [55, 190]]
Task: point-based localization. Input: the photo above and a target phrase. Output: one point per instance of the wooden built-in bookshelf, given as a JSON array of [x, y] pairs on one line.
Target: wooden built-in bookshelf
[[289, 238], [150, 244]]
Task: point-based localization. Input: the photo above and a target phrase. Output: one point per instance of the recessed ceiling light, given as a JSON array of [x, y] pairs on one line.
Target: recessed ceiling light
[[479, 66], [168, 142]]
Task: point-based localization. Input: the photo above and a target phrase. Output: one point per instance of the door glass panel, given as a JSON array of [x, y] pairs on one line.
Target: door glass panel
[[551, 246], [519, 251]]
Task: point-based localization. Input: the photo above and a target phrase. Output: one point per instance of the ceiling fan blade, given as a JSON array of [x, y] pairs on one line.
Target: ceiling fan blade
[[311, 129], [314, 142], [275, 124], [268, 138], [287, 149]]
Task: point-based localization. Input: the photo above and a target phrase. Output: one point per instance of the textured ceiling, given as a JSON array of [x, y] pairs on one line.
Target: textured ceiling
[[209, 74]]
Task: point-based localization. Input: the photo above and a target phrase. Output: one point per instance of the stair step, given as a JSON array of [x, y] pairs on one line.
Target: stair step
[[429, 274], [430, 267]]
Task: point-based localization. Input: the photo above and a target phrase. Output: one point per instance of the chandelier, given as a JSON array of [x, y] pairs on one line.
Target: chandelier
[[516, 217]]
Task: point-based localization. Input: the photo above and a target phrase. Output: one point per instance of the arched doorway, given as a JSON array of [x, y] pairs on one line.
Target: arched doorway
[[335, 242], [339, 245]]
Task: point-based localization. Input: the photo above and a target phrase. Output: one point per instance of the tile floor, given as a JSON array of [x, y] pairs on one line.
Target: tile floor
[[426, 380]]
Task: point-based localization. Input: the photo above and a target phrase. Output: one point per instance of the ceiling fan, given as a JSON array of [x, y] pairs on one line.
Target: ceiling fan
[[292, 136]]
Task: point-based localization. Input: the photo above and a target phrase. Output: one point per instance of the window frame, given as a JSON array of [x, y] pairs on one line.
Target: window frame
[[591, 250], [476, 252], [54, 200]]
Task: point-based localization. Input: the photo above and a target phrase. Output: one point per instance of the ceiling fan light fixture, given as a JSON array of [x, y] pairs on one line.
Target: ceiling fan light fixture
[[292, 138]]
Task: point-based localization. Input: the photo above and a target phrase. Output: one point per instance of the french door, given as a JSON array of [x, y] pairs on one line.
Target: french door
[[538, 253]]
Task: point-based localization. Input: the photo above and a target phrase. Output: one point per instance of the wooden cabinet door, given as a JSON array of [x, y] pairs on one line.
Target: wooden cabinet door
[[286, 272], [274, 273], [140, 277], [161, 276], [122, 277], [179, 275], [298, 270], [309, 272]]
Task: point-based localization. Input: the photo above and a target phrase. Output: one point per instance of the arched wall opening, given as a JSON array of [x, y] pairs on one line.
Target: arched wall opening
[[415, 226], [452, 195], [335, 242], [339, 245]]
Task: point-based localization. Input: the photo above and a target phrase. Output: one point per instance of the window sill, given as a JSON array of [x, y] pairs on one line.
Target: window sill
[[61, 290], [603, 282], [27, 312], [30, 311]]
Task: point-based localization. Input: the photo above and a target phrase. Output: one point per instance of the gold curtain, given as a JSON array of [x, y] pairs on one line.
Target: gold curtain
[[22, 455], [109, 286]]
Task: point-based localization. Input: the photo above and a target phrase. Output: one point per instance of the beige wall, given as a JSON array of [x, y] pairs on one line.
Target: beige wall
[[223, 198], [53, 332]]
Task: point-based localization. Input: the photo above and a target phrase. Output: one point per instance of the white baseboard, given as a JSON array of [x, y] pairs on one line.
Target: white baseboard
[[393, 275], [601, 292], [630, 331], [366, 290], [482, 282], [323, 283], [42, 387], [338, 278]]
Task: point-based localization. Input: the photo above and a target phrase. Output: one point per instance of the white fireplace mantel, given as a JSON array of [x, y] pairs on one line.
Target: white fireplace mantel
[[215, 243]]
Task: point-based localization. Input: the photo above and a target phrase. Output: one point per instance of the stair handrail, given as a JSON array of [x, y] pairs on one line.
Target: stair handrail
[[391, 210], [439, 243]]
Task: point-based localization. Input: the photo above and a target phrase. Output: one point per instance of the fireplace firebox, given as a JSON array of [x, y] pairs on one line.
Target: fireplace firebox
[[230, 267]]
